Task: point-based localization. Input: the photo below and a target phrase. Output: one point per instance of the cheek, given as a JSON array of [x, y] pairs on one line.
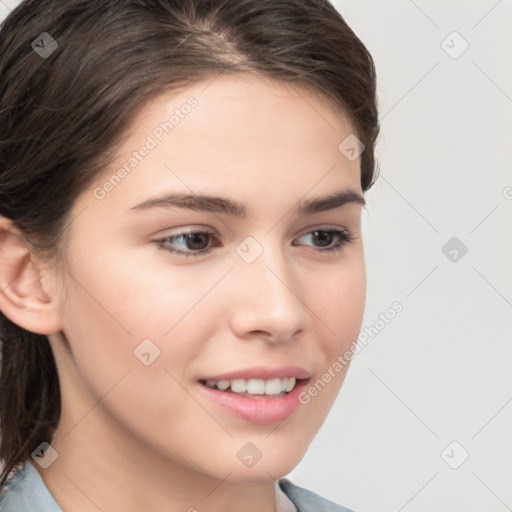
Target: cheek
[[113, 308], [340, 299], [141, 296], [107, 323]]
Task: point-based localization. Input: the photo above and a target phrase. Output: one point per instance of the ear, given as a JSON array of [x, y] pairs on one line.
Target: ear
[[24, 299]]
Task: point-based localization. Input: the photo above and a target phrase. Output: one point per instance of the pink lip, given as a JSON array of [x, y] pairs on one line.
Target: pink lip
[[263, 372], [261, 410]]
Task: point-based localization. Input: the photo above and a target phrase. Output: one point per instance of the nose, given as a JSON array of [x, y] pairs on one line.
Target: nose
[[267, 299]]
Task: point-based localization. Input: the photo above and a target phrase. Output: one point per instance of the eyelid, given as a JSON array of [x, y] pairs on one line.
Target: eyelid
[[347, 233], [323, 227], [186, 229]]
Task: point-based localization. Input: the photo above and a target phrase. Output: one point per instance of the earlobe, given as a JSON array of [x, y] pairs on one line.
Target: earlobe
[[23, 298]]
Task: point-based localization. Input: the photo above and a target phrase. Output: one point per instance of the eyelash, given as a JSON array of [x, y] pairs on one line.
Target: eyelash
[[343, 236]]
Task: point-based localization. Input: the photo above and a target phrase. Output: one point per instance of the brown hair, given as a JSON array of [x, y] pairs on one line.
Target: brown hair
[[63, 113]]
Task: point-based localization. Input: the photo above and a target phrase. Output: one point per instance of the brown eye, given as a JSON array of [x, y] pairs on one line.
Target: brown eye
[[323, 238], [326, 240], [196, 241], [187, 244]]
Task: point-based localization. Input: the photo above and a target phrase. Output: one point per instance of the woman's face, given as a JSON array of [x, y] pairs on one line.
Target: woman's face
[[267, 292]]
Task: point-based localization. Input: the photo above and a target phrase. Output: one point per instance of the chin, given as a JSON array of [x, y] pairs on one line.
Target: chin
[[277, 464], [260, 475]]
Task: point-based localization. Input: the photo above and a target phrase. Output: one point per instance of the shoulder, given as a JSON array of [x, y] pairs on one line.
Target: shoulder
[[306, 501], [26, 492]]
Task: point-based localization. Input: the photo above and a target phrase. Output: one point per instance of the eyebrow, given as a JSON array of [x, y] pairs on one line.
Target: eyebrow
[[226, 206]]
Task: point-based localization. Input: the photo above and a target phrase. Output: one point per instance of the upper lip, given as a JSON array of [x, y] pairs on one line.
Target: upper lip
[[262, 372]]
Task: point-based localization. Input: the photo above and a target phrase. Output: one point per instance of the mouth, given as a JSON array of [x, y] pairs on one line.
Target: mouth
[[257, 395]]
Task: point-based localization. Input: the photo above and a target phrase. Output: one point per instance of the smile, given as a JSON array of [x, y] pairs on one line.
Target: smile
[[259, 395], [254, 387]]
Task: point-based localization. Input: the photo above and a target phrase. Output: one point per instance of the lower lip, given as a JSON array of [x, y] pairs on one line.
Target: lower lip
[[261, 410]]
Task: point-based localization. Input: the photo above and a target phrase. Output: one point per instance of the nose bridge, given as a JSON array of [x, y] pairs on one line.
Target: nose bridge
[[268, 298]]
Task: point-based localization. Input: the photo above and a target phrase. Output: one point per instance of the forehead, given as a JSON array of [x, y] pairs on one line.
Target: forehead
[[244, 102], [238, 134]]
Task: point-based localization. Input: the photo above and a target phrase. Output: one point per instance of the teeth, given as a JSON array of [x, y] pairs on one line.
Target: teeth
[[255, 386], [222, 384], [275, 386], [291, 384], [238, 386]]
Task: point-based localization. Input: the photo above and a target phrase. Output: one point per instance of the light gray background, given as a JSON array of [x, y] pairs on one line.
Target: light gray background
[[440, 371]]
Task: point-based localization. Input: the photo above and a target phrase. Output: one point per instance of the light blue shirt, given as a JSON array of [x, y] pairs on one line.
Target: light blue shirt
[[26, 492]]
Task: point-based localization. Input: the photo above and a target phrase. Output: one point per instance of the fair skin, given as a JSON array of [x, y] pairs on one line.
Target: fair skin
[[135, 437]]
